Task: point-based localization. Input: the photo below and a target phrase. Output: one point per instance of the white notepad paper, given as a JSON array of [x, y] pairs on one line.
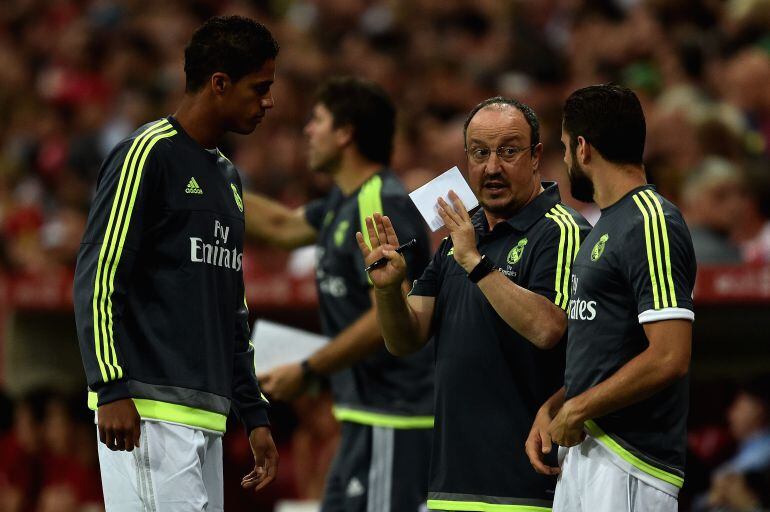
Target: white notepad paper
[[276, 345], [426, 197]]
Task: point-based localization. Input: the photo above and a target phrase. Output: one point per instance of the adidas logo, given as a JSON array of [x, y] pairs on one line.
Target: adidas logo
[[193, 188], [354, 488]]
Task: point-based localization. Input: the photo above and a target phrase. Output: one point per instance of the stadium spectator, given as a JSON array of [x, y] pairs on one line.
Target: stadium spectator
[[741, 483], [21, 454], [712, 201], [752, 234], [749, 420]]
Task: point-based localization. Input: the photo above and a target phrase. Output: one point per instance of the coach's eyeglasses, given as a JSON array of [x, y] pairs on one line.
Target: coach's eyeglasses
[[505, 153]]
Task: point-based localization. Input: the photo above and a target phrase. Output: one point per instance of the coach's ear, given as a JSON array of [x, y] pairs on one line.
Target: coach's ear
[[537, 155]]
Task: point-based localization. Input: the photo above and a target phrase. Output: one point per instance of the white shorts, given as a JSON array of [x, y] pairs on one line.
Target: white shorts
[[175, 469], [590, 481]]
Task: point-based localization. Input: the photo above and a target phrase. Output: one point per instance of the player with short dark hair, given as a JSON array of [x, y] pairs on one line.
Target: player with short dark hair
[[233, 45], [494, 298], [384, 403], [367, 108], [623, 409], [159, 294]]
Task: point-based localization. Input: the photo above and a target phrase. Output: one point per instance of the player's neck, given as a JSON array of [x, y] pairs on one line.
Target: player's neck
[[614, 182], [196, 119], [353, 172]]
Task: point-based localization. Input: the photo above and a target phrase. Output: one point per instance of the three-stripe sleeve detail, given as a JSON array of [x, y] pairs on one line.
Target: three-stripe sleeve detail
[[569, 242], [658, 249], [112, 245]]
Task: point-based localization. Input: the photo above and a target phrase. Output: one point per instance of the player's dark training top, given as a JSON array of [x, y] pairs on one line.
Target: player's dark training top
[[491, 381], [636, 266], [381, 389], [159, 294]]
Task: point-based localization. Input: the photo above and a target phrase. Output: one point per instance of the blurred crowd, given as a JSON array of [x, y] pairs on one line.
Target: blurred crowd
[[77, 76]]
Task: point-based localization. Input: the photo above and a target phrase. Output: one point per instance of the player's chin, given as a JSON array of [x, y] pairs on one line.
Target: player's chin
[[247, 126]]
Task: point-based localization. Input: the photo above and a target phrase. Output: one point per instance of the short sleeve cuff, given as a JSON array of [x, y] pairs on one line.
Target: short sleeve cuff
[[656, 315]]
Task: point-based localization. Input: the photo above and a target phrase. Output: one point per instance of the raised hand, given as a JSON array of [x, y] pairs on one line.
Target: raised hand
[[456, 219], [382, 243]]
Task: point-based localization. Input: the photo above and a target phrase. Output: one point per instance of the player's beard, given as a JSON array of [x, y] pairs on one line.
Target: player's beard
[[581, 186]]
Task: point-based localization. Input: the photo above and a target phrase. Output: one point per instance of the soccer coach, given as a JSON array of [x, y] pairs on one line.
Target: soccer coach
[[497, 333], [159, 294], [623, 409]]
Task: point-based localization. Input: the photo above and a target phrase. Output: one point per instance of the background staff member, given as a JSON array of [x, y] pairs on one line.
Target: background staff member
[[159, 293], [385, 403], [497, 334], [630, 323]]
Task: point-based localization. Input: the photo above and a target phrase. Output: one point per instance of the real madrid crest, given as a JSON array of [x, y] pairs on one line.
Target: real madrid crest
[[598, 249], [514, 255]]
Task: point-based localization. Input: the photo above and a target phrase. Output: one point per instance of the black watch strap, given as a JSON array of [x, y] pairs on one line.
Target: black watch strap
[[484, 267], [308, 373]]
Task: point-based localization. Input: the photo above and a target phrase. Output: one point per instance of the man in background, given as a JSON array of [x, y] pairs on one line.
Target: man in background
[[384, 403], [713, 203]]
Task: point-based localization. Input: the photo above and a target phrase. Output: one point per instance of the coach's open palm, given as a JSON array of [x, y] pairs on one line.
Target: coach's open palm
[[265, 459], [383, 242]]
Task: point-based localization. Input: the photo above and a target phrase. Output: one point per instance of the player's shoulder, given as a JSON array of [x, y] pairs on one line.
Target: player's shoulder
[[391, 187], [150, 138], [647, 211]]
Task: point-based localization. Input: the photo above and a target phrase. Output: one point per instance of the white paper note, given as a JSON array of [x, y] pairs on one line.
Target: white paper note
[[276, 344], [426, 197]]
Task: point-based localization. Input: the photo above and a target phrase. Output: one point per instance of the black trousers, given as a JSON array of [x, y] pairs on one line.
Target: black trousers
[[379, 469]]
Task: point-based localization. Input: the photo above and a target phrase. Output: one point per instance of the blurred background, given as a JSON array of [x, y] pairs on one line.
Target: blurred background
[[76, 76]]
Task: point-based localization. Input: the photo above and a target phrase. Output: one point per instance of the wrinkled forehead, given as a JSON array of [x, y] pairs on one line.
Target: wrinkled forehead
[[498, 124]]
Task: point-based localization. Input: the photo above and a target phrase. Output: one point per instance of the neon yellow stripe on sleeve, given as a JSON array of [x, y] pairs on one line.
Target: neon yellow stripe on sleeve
[[664, 230], [658, 255], [651, 265]]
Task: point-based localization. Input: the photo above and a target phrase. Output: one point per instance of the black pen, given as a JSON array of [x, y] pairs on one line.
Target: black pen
[[382, 261]]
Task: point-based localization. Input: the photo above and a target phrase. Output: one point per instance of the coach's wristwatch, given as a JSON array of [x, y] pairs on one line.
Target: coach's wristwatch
[[484, 267], [308, 374]]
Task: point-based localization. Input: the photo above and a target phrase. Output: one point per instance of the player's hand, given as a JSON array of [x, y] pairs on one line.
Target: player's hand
[[539, 442], [265, 459], [461, 229], [566, 429], [119, 425], [283, 383], [383, 242]]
